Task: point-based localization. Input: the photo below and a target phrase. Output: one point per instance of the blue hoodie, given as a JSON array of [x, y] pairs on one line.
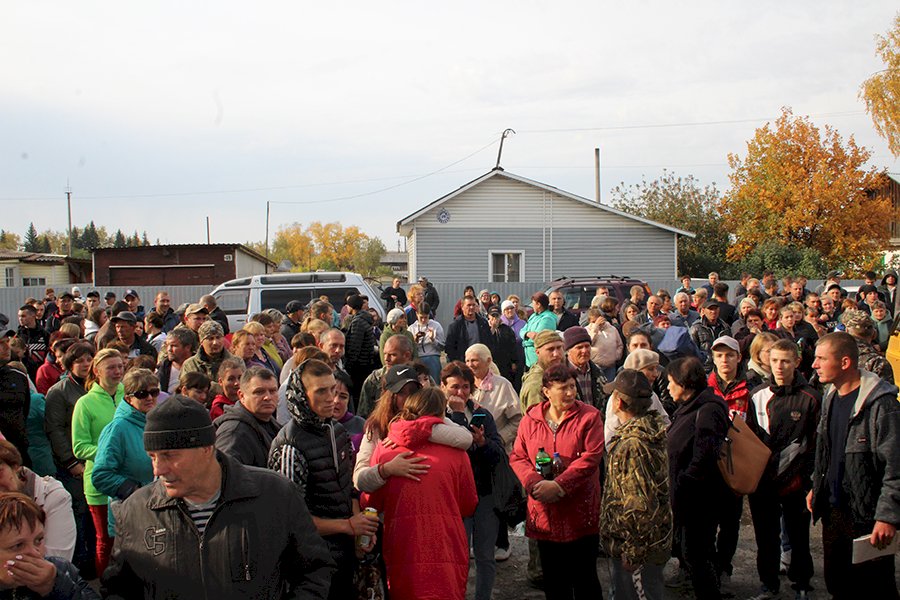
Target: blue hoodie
[[122, 465]]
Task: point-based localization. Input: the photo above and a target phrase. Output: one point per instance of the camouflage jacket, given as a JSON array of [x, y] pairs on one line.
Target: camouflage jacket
[[636, 518], [874, 361]]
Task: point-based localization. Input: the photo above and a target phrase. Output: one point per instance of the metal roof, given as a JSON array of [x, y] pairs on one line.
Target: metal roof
[[241, 247], [499, 172]]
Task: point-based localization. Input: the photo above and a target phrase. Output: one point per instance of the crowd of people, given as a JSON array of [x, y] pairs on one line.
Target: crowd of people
[[319, 452]]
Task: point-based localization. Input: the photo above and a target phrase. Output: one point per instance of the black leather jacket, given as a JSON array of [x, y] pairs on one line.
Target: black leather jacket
[[260, 542]]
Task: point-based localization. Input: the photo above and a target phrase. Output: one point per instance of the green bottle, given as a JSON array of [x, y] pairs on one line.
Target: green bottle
[[543, 464]]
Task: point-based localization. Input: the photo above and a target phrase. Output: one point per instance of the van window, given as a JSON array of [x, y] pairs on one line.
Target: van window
[[233, 302], [278, 298]]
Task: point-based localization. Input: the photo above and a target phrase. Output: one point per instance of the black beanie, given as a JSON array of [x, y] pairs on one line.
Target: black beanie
[[179, 422]]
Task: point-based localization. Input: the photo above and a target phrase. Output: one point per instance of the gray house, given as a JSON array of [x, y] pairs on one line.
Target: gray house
[[503, 227]]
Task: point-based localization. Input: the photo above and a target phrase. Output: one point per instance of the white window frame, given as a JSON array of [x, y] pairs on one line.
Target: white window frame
[[9, 277], [520, 252], [41, 281]]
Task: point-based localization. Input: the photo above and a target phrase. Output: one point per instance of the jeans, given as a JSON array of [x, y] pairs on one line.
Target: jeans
[[765, 508], [481, 529], [433, 362], [643, 584], [85, 543], [570, 569], [844, 580]]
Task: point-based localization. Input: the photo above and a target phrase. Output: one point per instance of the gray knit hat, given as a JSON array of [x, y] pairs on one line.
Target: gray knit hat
[[210, 329], [178, 422]]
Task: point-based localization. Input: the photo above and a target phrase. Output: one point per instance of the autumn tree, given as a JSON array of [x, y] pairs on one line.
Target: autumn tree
[[881, 91], [328, 246], [799, 187], [9, 240], [683, 203]]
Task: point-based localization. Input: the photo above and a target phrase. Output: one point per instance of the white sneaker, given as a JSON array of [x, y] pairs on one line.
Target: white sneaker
[[501, 554], [785, 562]]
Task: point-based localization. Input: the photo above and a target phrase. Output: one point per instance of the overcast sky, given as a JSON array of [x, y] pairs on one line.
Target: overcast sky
[[161, 114]]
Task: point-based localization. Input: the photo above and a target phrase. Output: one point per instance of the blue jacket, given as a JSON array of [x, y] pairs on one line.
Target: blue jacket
[[122, 466]]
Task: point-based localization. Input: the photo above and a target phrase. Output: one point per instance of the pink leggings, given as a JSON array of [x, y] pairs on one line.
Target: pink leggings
[[104, 542]]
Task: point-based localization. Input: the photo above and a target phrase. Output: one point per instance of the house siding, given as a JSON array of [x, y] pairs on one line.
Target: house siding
[[460, 254]]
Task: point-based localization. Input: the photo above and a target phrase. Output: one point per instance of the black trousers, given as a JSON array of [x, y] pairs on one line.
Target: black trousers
[[698, 551], [729, 512], [767, 508], [570, 569], [844, 580]]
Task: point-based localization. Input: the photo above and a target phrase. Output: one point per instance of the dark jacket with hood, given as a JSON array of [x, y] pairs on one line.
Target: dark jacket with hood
[[316, 454], [484, 458], [694, 438], [245, 438], [432, 297], [785, 418], [890, 296], [703, 334], [871, 484], [250, 549]]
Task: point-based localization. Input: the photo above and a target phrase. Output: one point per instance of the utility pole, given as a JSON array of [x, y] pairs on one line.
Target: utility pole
[[69, 203], [597, 173], [207, 230], [267, 237]]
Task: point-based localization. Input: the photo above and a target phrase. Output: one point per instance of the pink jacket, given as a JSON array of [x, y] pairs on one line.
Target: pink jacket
[[579, 441]]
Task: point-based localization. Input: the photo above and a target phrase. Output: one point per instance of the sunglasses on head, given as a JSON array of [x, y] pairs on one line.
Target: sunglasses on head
[[144, 394]]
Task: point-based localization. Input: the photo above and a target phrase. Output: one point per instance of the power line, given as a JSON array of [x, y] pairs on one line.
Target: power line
[[682, 124]]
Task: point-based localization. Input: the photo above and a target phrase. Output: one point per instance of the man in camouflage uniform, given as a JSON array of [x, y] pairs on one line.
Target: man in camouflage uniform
[[862, 328]]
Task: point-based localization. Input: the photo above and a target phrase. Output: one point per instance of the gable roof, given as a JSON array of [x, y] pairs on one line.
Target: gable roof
[[499, 172], [32, 257]]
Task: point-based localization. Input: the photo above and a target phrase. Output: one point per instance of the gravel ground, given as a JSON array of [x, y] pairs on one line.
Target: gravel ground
[[511, 583]]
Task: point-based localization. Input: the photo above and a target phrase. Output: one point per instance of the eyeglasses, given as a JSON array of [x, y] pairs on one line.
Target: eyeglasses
[[144, 394]]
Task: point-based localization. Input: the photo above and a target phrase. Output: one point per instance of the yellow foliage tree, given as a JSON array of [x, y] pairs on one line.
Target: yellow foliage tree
[[328, 246], [800, 188], [881, 91]]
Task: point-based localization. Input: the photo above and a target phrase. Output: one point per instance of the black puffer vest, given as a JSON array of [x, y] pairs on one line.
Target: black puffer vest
[[316, 454]]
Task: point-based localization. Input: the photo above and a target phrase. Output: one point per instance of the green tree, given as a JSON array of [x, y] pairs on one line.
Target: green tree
[[44, 244], [120, 241], [799, 187], [31, 242], [9, 240], [784, 260], [684, 203], [89, 238], [881, 91], [144, 240]]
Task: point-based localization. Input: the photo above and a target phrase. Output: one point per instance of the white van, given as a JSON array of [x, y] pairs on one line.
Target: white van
[[240, 298]]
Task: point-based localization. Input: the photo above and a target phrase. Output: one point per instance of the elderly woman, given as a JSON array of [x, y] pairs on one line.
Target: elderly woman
[[698, 491], [397, 325], [495, 393], [94, 411], [122, 466], [243, 346], [564, 507], [273, 333], [419, 513], [47, 493], [511, 318], [636, 519], [606, 343], [429, 339], [541, 319], [263, 356]]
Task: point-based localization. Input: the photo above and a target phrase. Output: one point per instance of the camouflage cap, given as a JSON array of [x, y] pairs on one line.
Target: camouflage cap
[[856, 320], [547, 336]]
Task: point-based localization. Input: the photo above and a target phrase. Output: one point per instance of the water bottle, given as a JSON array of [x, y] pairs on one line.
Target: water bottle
[[558, 466], [543, 464]]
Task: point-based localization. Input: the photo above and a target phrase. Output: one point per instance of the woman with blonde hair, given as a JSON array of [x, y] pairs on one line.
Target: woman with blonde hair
[[759, 355], [265, 351], [94, 411]]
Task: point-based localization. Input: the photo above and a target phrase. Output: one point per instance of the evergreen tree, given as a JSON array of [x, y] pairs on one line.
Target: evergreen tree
[[43, 244], [120, 241], [89, 237], [31, 239], [144, 240], [135, 240]]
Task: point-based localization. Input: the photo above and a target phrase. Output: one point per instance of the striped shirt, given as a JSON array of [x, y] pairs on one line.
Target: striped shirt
[[200, 513]]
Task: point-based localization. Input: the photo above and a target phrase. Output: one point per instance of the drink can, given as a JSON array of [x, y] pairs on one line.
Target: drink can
[[365, 540]]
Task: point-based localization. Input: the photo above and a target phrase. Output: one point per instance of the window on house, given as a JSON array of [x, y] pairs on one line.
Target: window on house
[[10, 277], [506, 266], [26, 281]]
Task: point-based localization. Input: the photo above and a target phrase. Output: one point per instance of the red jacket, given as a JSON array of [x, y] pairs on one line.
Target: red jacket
[[579, 441], [425, 548], [736, 396], [47, 375], [218, 406]]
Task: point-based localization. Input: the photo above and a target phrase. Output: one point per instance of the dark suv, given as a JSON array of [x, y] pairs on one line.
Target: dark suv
[[578, 291]]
